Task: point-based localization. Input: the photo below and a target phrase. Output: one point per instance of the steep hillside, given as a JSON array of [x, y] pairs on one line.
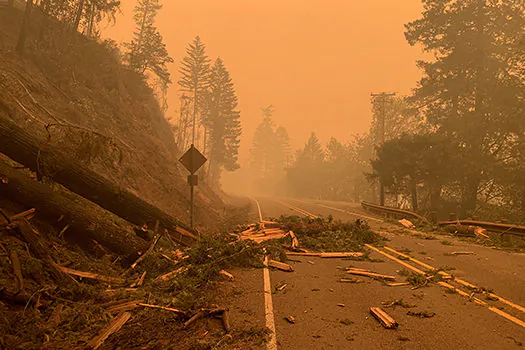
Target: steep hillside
[[75, 94]]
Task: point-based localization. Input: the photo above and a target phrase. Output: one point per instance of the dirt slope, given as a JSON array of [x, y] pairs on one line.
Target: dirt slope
[[75, 94]]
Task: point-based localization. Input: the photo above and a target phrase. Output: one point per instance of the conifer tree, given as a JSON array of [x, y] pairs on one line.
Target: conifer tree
[[195, 76], [147, 51], [221, 118]]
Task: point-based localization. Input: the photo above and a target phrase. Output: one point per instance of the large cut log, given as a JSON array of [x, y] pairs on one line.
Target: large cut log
[[40, 157], [84, 218]]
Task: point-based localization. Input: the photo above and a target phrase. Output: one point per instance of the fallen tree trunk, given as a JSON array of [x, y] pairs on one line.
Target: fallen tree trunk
[[82, 216], [39, 157]]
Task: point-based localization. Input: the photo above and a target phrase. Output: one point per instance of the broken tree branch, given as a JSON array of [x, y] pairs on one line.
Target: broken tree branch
[[385, 319], [19, 280], [279, 265], [95, 276], [111, 328], [177, 311], [370, 274]]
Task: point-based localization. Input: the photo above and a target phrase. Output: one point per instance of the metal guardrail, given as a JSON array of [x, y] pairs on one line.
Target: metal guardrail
[[390, 211], [503, 229]]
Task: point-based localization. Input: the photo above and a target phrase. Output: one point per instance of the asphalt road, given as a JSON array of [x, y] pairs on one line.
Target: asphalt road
[[313, 293]]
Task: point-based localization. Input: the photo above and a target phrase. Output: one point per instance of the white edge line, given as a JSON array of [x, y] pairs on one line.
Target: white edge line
[[268, 308], [258, 208], [268, 303]]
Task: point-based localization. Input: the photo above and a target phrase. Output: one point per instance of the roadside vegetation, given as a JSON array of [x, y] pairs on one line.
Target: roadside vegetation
[[329, 235]]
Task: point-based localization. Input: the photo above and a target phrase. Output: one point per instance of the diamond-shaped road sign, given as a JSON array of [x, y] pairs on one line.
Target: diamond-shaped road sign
[[192, 159]]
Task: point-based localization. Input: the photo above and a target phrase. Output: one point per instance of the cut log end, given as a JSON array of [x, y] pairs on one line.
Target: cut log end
[[385, 319]]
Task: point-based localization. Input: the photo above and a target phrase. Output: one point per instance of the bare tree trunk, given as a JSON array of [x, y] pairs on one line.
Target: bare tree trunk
[[20, 46], [413, 189], [91, 22], [78, 16], [435, 198], [31, 152], [132, 61], [85, 221]]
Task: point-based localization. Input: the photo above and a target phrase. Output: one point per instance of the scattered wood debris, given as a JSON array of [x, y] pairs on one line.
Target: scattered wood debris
[[341, 305], [398, 284], [350, 280], [290, 319], [406, 223], [385, 319], [177, 311], [140, 281], [28, 215], [225, 317], [310, 262], [120, 290], [480, 232], [109, 279], [150, 249], [111, 328], [270, 224], [226, 274], [370, 274], [264, 231], [222, 313], [328, 254], [126, 306], [462, 253], [358, 269], [281, 287], [19, 280], [281, 266], [342, 255], [195, 317], [302, 254], [171, 274]]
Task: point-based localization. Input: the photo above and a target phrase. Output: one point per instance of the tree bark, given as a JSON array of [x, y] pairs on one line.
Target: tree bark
[[78, 16], [470, 194], [34, 154], [86, 221], [435, 197], [413, 189], [20, 46]]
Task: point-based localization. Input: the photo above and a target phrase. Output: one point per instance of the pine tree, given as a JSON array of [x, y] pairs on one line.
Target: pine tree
[[306, 177], [221, 118], [283, 150], [147, 51], [195, 76], [261, 151]]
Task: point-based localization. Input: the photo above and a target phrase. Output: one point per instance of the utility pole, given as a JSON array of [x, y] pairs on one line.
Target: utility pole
[[382, 98]]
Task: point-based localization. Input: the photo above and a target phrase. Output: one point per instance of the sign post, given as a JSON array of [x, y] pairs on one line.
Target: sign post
[[192, 160]]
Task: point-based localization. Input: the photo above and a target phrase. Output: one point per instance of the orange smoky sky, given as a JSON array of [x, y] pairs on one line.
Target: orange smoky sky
[[316, 61]]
